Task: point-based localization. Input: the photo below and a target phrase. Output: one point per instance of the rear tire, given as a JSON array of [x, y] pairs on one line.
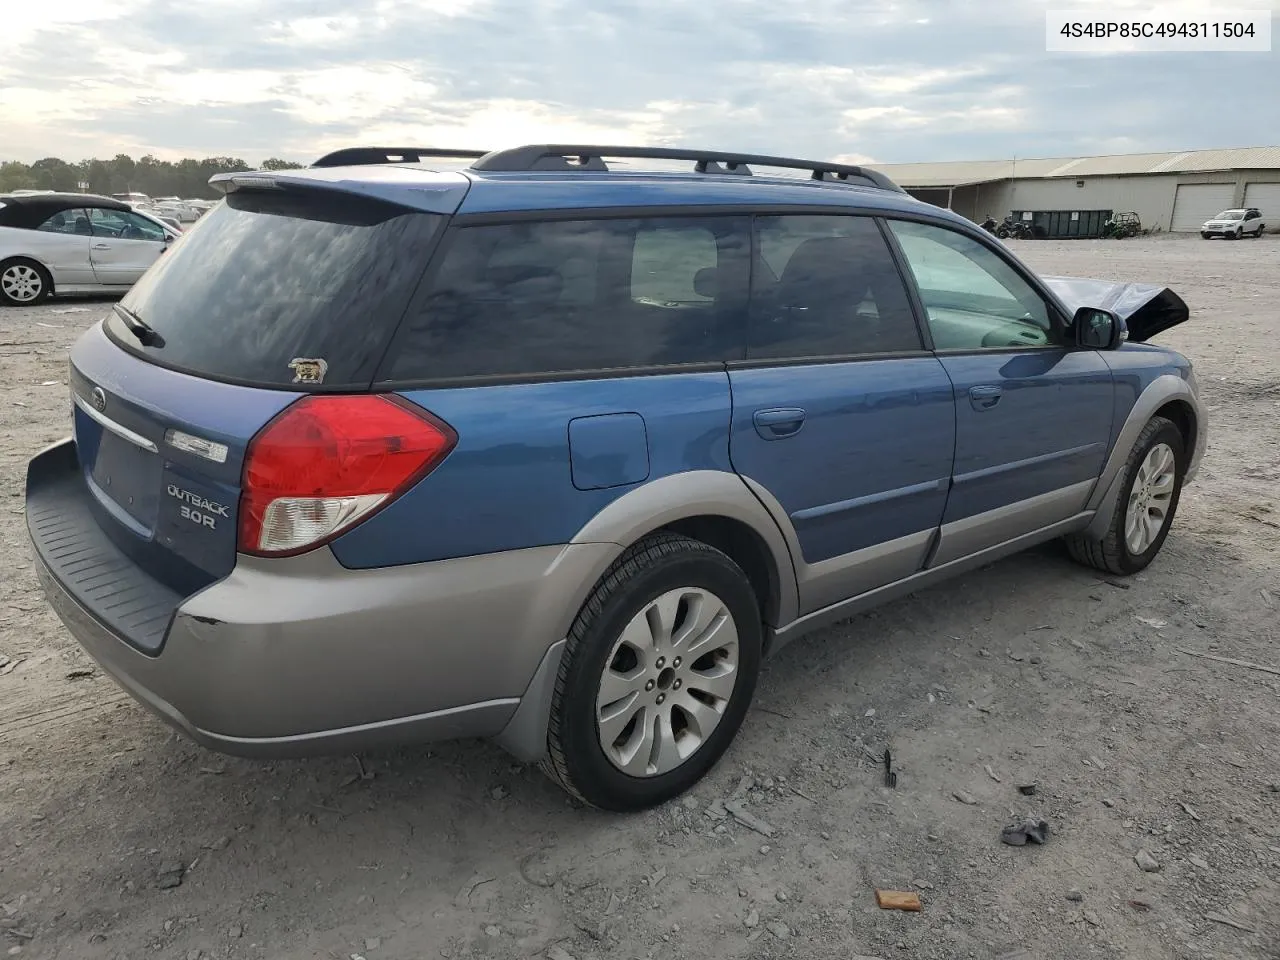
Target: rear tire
[[24, 283], [633, 723], [1150, 487]]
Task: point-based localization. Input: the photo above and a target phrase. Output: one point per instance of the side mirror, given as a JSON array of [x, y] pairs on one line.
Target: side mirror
[[1097, 329]]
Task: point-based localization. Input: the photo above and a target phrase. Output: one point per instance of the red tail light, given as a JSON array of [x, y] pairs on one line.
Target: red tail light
[[326, 463]]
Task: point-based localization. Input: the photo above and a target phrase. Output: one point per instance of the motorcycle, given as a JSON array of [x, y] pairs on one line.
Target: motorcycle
[[989, 224], [1017, 229]]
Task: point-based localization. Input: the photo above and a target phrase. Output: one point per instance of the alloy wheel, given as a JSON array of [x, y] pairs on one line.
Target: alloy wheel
[[21, 283], [667, 682], [1150, 499]]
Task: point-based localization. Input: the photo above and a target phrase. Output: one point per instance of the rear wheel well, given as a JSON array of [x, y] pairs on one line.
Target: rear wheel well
[[1179, 413], [746, 548]]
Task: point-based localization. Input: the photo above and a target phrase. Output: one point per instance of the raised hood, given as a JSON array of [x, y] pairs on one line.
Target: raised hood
[[1146, 308]]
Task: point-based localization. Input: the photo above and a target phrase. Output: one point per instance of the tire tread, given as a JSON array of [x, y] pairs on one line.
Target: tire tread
[[651, 550], [1107, 554]]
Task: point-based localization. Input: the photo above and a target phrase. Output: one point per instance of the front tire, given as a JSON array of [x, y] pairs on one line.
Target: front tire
[[1205, 235], [1236, 234], [656, 677], [1150, 487], [24, 283]]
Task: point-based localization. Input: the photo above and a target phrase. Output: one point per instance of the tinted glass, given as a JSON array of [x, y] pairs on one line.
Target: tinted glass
[[547, 297], [267, 278], [827, 286], [973, 299]]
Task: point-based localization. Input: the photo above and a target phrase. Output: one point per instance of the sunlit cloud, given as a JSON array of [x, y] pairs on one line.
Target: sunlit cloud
[[874, 81]]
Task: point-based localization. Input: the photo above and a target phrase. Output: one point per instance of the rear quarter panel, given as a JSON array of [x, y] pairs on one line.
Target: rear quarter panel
[[65, 256], [510, 482]]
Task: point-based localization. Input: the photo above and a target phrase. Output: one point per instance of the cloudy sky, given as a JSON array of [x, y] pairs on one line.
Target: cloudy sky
[[894, 80]]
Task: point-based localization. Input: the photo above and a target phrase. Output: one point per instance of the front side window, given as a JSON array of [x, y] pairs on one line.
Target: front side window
[[124, 225], [541, 297], [73, 221], [827, 286], [973, 298]]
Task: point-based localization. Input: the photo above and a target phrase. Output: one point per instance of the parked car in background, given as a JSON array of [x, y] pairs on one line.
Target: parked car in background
[[131, 198], [545, 452], [72, 243], [1234, 224], [173, 208]]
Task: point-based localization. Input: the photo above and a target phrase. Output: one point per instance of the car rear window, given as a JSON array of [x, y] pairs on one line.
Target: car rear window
[[558, 296], [289, 288]]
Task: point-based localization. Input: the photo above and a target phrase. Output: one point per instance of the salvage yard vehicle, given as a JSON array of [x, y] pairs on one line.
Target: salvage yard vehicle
[[74, 243], [414, 445], [1235, 224], [1122, 226]]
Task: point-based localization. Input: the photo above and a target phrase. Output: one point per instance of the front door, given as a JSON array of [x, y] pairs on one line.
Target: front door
[[1033, 416], [62, 244], [842, 421], [124, 245]]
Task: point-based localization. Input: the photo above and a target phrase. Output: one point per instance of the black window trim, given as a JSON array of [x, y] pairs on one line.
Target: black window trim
[[1059, 318], [384, 384]]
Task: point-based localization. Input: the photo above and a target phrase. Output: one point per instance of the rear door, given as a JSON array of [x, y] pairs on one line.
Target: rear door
[[840, 415], [124, 245], [1033, 416], [273, 294]]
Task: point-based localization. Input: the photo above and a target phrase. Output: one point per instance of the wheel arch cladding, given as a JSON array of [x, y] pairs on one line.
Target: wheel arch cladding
[[717, 508], [1167, 393]]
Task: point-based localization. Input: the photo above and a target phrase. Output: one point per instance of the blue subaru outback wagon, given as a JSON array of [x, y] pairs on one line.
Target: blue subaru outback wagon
[[532, 446]]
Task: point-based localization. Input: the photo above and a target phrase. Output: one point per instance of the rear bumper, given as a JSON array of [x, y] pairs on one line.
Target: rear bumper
[[302, 656]]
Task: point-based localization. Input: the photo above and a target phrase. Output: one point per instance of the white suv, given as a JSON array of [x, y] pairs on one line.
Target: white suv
[[1234, 224]]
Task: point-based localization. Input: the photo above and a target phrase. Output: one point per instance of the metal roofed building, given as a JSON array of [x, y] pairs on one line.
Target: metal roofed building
[[1169, 191]]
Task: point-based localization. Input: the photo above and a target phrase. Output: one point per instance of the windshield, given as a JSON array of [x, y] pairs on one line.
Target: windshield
[[280, 288], [1230, 215]]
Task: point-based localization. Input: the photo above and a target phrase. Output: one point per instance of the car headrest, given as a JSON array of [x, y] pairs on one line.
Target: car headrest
[[706, 282], [836, 265]]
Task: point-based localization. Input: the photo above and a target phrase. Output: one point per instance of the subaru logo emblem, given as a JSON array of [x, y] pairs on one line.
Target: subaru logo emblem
[[99, 399]]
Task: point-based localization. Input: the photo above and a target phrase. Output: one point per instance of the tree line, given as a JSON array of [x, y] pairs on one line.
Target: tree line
[[188, 179]]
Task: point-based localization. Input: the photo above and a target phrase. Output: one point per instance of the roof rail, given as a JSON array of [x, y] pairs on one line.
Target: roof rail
[[586, 157], [359, 156]]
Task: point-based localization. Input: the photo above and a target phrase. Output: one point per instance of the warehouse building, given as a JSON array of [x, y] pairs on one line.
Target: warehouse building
[[1170, 191]]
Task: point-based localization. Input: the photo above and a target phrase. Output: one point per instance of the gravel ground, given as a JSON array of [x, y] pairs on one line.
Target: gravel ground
[[120, 840]]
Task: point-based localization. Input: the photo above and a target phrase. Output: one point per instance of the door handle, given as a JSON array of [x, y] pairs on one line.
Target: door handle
[[778, 422], [985, 397], [102, 246]]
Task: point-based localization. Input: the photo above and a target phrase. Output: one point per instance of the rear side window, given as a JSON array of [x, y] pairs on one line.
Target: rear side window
[[827, 286], [282, 288], [73, 221], [546, 297]]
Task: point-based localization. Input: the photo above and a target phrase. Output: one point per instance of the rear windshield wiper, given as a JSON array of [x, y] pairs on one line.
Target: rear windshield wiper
[[145, 333]]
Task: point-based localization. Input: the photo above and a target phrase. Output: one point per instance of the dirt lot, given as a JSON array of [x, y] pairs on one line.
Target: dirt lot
[[1031, 670]]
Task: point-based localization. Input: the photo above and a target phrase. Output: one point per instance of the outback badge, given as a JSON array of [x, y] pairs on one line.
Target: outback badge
[[307, 370]]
